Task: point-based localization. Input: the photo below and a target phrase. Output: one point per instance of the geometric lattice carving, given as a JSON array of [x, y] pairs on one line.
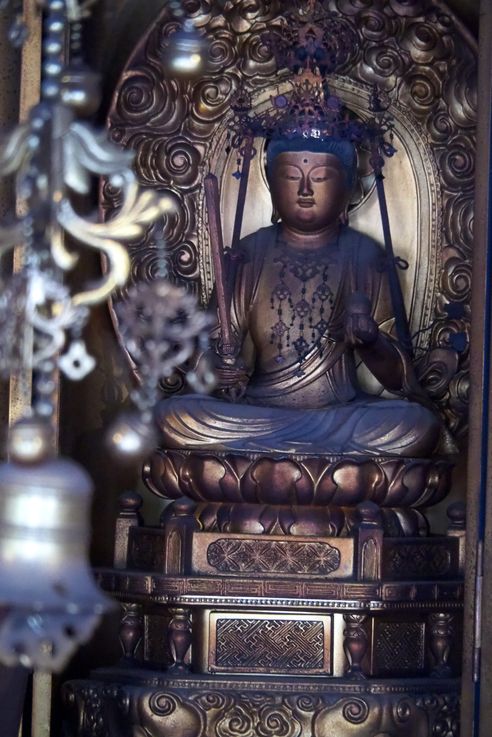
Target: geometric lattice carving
[[423, 560], [271, 644], [399, 648], [264, 556]]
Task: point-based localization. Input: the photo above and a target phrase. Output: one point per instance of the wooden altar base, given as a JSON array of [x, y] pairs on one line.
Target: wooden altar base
[[126, 703], [235, 634]]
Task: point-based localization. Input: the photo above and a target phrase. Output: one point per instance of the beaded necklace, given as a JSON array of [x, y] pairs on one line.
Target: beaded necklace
[[308, 315]]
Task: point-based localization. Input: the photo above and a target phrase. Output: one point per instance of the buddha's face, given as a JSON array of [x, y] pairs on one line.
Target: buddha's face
[[309, 190]]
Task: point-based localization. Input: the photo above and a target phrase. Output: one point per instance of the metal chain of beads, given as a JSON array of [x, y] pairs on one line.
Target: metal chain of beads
[[176, 8], [76, 56], [53, 62]]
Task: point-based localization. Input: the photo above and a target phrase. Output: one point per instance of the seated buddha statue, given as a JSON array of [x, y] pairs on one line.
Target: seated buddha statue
[[308, 296]]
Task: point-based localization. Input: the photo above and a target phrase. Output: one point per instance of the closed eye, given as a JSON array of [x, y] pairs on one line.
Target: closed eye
[[323, 174]]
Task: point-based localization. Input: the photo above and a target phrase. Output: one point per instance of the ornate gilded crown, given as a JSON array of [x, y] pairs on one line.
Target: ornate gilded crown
[[312, 111], [322, 44]]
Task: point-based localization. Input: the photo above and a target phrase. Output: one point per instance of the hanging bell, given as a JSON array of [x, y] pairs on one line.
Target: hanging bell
[[185, 54], [49, 602]]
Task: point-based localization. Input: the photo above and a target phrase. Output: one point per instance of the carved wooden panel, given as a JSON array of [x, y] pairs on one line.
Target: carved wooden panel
[[398, 648], [228, 707], [421, 560], [414, 50], [279, 560], [229, 555], [270, 643]]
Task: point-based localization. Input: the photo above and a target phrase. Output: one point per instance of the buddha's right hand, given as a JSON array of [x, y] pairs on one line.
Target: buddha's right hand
[[232, 380]]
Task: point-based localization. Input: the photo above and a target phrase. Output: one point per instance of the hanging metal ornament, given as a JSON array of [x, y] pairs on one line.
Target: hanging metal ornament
[[186, 51], [50, 600], [54, 156], [162, 327]]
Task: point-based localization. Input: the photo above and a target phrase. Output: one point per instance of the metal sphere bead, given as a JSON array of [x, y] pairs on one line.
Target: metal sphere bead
[[44, 408], [30, 441], [55, 24], [53, 46], [131, 438], [53, 68], [45, 385], [80, 90], [47, 366], [40, 115], [37, 122], [50, 89]]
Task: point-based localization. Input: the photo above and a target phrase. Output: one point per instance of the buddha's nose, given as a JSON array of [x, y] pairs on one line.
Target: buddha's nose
[[305, 189]]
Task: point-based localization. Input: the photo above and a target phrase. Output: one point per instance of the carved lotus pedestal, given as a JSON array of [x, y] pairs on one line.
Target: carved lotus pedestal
[[287, 597]]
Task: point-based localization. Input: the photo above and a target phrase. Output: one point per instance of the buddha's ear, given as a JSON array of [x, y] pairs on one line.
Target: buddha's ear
[[275, 214], [344, 215]]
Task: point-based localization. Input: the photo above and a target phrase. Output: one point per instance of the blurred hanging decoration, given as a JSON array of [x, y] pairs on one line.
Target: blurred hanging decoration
[[162, 328], [54, 156], [49, 603], [186, 51], [161, 325]]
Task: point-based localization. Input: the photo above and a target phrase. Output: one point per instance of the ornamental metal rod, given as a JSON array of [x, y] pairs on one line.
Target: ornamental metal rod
[[19, 388], [20, 385], [401, 320], [226, 346], [243, 188]]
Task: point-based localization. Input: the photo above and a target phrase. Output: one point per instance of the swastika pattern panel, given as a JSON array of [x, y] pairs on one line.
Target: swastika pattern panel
[[271, 645]]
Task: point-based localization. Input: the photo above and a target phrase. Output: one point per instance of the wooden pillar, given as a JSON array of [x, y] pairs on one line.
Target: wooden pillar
[[477, 673]]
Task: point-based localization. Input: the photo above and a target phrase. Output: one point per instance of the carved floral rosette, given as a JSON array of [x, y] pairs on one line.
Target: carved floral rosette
[[417, 52]]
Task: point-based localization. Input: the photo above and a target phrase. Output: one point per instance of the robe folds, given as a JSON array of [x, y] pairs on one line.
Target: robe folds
[[315, 405]]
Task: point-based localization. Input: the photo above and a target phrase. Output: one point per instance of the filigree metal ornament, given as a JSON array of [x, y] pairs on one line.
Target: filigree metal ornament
[[76, 362], [163, 328], [53, 156]]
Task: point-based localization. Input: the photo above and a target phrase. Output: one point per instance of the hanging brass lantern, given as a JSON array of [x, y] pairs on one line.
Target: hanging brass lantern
[[49, 602], [186, 53]]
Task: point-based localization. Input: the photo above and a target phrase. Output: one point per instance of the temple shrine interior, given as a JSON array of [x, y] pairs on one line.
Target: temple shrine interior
[[245, 368]]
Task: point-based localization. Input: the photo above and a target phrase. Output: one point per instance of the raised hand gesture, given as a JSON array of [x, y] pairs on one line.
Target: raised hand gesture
[[360, 327]]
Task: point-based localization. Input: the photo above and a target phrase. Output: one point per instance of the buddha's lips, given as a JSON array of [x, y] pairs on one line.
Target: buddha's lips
[[305, 203]]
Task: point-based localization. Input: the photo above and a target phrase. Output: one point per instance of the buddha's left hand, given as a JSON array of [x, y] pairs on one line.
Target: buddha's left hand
[[376, 350], [360, 327]]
